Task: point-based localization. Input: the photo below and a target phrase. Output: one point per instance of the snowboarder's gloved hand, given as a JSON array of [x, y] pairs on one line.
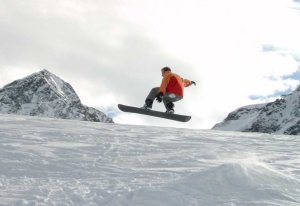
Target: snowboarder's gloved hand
[[159, 97], [194, 83]]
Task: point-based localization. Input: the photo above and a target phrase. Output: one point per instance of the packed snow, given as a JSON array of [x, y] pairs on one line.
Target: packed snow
[[47, 161]]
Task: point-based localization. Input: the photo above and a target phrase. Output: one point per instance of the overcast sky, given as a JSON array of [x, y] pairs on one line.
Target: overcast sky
[[239, 52]]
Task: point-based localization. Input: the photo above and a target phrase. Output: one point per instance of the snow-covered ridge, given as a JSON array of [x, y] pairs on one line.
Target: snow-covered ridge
[[45, 94], [281, 117], [62, 162]]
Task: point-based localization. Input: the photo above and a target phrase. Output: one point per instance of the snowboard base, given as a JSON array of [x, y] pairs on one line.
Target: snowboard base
[[175, 117]]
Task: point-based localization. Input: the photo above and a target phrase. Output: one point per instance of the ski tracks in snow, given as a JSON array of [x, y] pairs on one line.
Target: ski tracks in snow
[[63, 162]]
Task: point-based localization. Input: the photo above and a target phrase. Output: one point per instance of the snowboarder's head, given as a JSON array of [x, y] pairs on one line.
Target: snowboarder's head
[[164, 70]]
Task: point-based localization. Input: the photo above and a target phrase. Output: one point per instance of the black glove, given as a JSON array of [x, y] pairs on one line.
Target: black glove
[[159, 97], [194, 83]]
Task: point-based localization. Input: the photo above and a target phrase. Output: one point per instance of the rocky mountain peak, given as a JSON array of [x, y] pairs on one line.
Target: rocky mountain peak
[[45, 94], [41, 83], [281, 116]]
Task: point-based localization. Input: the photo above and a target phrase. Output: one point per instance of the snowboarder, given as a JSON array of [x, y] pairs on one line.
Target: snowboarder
[[170, 90]]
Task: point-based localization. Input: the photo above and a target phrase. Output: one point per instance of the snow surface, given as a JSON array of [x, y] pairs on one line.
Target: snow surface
[[47, 161]]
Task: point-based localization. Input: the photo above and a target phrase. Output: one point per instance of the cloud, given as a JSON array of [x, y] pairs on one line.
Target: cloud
[[288, 52], [106, 59], [111, 51], [72, 40], [294, 76], [290, 78], [272, 97]]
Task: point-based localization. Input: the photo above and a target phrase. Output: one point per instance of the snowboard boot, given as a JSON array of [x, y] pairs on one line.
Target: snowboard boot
[[170, 108], [148, 104]]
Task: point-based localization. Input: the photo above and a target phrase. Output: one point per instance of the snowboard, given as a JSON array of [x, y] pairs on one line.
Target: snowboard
[[175, 117]]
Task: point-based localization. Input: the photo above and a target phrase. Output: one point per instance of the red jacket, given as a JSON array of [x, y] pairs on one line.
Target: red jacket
[[173, 83]]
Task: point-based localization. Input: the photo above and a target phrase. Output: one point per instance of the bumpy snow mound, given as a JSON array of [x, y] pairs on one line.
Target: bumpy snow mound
[[45, 94], [245, 181], [230, 184], [281, 117]]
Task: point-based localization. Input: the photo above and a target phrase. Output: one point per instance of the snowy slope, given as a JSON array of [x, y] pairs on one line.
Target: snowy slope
[[44, 94], [66, 162], [280, 117]]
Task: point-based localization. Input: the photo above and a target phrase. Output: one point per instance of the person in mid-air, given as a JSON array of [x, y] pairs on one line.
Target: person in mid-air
[[170, 90]]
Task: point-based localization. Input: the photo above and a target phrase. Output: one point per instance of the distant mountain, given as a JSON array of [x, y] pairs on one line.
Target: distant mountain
[[45, 94], [280, 117]]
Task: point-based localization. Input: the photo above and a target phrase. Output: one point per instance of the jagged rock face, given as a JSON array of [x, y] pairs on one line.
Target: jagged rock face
[[44, 94], [281, 117]]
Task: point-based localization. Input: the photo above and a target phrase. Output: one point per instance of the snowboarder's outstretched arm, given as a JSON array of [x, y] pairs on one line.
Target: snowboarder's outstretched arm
[[187, 82]]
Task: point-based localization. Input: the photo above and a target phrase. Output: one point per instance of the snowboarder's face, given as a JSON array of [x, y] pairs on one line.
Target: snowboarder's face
[[162, 73]]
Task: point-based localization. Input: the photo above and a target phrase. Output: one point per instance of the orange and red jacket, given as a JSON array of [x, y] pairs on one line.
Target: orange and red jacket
[[173, 83]]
